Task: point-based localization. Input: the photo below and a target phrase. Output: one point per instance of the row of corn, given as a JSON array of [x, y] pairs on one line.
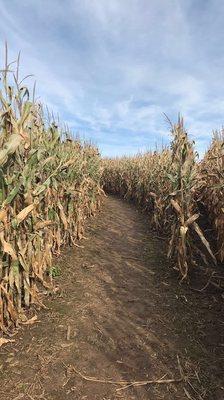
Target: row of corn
[[172, 185], [49, 185], [211, 189]]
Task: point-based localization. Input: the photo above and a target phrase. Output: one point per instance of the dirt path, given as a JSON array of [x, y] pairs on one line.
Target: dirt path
[[120, 314]]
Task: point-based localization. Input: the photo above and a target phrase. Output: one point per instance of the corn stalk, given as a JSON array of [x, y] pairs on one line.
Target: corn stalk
[[164, 183], [49, 185]]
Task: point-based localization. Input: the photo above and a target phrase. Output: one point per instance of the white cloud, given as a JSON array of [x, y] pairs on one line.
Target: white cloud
[[113, 68]]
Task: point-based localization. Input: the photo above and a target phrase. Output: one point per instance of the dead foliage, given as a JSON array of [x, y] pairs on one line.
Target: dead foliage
[[49, 185], [211, 188], [168, 184]]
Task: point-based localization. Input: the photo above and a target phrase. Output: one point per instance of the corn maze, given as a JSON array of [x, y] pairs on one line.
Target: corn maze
[[50, 183]]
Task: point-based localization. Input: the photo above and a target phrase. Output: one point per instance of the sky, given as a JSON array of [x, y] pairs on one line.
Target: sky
[[111, 69]]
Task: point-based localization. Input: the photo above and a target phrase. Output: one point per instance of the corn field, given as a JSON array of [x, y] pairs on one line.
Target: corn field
[[211, 190], [49, 185], [170, 185]]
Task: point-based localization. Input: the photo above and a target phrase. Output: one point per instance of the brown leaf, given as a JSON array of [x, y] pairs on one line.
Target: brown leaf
[[191, 219], [4, 341], [24, 213], [204, 241], [7, 247], [43, 224], [31, 321], [3, 215], [176, 206], [62, 215]]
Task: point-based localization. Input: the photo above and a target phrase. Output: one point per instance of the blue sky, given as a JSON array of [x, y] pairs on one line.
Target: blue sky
[[112, 68]]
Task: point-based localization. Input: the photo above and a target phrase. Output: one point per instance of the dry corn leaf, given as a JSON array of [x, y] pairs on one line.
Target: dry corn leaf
[[7, 247], [24, 213], [204, 241], [5, 341], [30, 321], [176, 206], [191, 219], [3, 215]]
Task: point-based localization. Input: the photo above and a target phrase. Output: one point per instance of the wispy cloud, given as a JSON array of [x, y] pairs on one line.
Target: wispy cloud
[[110, 69]]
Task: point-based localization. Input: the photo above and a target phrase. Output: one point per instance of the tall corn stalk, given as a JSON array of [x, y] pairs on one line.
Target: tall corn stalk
[[164, 183], [211, 189], [49, 185], [186, 233]]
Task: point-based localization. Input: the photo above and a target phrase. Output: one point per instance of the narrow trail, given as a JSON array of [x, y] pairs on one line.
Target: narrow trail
[[119, 314]]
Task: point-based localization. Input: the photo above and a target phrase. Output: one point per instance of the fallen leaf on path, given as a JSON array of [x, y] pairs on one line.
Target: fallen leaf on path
[[31, 321], [64, 345], [14, 364], [4, 341]]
